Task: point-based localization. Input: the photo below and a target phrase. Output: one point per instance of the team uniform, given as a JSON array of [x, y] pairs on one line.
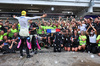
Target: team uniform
[[66, 40], [98, 43], [92, 46], [76, 41], [58, 40], [82, 42], [32, 36]]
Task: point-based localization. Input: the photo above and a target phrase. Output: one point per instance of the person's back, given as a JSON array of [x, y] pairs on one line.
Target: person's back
[[23, 21]]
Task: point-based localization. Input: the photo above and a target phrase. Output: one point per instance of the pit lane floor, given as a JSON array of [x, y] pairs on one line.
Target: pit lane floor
[[46, 57]]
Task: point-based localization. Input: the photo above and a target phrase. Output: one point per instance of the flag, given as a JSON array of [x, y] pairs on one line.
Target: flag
[[53, 30]]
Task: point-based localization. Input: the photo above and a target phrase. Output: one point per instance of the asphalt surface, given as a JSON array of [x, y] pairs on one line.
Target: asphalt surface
[[46, 57]]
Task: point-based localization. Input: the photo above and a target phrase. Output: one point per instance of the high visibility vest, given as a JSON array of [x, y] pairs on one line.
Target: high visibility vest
[[99, 41], [82, 42], [1, 36], [39, 31], [12, 32], [18, 27]]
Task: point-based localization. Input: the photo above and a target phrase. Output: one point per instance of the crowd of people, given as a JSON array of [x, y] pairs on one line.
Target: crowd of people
[[81, 35]]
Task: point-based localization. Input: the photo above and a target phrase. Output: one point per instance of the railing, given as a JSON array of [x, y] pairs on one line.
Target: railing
[[57, 0], [79, 1]]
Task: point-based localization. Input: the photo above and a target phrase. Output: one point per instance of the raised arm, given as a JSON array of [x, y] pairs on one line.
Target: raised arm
[[15, 17], [66, 19], [94, 29], [36, 17], [87, 30], [59, 19]]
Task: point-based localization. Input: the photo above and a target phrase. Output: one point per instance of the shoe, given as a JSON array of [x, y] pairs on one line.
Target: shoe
[[35, 52], [24, 51], [4, 52], [59, 49], [21, 56], [55, 50], [52, 45], [29, 56], [32, 53], [88, 51]]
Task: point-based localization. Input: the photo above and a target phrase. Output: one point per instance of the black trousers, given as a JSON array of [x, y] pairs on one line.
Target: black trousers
[[23, 43], [98, 49], [6, 48], [1, 42], [51, 40], [33, 42], [92, 47], [14, 47], [57, 46]]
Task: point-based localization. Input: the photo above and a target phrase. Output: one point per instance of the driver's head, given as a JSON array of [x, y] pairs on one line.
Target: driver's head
[[23, 13]]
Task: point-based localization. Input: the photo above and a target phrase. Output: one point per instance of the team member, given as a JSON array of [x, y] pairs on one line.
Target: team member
[[15, 42], [43, 41], [32, 28], [57, 45], [66, 41], [75, 41], [24, 31], [2, 34], [5, 46], [92, 46], [98, 42], [2, 27], [82, 41], [12, 31]]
